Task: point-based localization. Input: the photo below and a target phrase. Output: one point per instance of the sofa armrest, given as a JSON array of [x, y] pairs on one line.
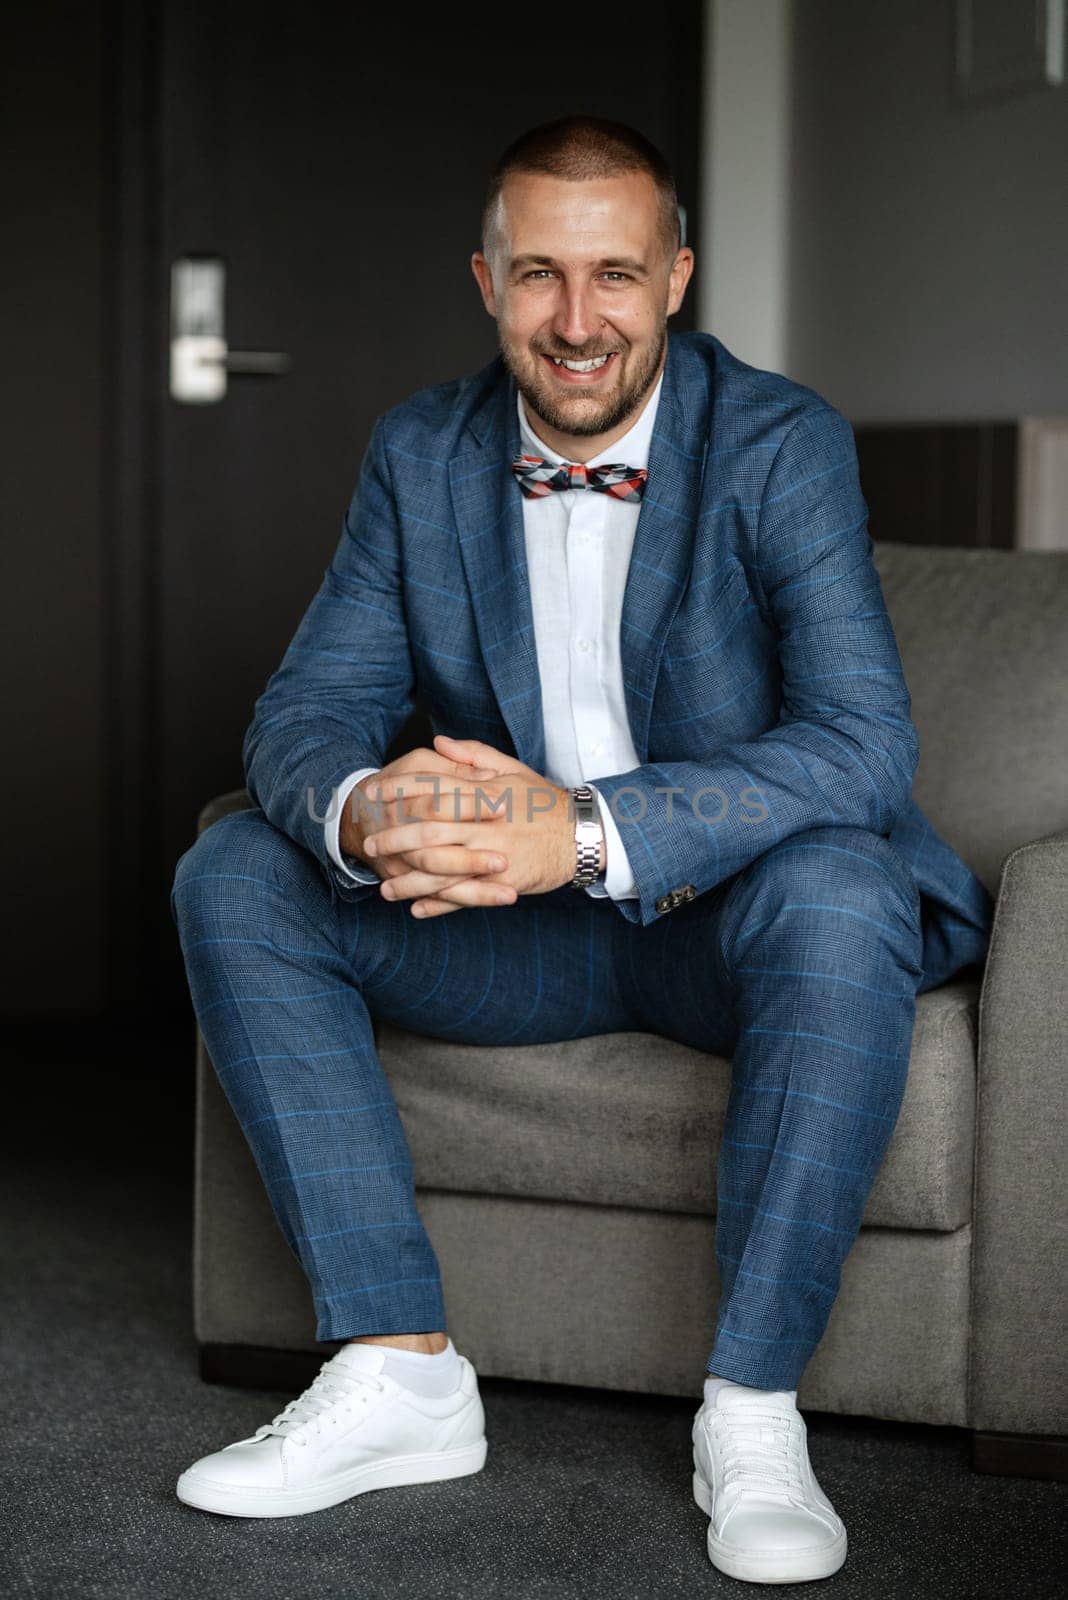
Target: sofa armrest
[[1019, 1356], [222, 805]]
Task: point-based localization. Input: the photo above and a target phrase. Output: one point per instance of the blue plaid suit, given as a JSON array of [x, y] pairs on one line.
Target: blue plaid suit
[[792, 898]]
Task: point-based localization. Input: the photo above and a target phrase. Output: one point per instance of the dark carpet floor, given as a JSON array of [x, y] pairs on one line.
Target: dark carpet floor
[[585, 1494]]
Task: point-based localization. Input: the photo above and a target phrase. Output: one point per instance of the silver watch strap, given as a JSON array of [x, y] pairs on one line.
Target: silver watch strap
[[587, 837]]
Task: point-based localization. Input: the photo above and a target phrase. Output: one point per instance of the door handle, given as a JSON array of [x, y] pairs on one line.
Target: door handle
[[251, 363], [201, 362]]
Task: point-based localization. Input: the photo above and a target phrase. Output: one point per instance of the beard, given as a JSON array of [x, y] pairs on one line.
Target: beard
[[610, 410]]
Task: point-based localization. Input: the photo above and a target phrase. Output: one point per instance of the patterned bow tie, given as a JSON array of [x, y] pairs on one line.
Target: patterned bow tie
[[538, 477]]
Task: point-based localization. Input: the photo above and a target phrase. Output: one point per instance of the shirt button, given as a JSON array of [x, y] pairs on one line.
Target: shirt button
[[596, 747], [583, 644]]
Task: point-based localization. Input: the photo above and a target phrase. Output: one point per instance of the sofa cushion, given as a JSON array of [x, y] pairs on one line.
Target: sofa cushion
[[632, 1119], [985, 652]]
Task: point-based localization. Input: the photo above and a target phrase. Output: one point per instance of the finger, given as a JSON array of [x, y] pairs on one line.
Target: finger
[[464, 803], [464, 767], [473, 750], [431, 906], [432, 884], [400, 802], [418, 836], [444, 863], [429, 796], [457, 895], [480, 892], [434, 906], [476, 891], [467, 891], [456, 861], [430, 762]]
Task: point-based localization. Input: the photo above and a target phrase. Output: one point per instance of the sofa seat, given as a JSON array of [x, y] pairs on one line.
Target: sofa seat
[[489, 1121]]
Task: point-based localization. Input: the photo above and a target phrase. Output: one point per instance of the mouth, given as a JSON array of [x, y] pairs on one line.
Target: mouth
[[585, 374]]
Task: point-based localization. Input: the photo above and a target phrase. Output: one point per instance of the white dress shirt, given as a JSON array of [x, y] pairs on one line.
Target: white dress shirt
[[578, 547]]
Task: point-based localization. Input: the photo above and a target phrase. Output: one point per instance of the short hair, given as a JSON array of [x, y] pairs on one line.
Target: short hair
[[581, 147]]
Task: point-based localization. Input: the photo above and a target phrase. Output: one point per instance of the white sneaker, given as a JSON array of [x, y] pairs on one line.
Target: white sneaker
[[355, 1428], [770, 1520]]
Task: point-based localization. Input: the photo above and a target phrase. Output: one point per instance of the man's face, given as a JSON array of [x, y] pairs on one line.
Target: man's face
[[578, 270]]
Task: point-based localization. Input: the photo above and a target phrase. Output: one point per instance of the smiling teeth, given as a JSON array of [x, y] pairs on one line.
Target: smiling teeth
[[582, 366]]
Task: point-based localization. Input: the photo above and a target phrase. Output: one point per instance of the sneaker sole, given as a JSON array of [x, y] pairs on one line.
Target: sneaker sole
[[774, 1566], [235, 1501]]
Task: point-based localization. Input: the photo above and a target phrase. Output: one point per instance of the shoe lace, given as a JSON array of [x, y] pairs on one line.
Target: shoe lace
[[760, 1450], [331, 1389]]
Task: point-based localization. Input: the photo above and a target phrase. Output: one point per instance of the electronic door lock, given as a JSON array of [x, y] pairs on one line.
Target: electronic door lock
[[201, 362]]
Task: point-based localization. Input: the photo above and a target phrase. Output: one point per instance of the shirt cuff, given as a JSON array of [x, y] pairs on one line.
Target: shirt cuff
[[618, 880], [332, 829]]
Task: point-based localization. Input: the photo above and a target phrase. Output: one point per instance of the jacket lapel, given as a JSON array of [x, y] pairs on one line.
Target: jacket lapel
[[662, 554], [488, 507]]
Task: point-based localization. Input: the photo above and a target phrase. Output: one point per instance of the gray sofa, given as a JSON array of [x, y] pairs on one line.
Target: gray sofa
[[569, 1189]]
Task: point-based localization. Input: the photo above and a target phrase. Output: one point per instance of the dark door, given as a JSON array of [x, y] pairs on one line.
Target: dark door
[[336, 161]]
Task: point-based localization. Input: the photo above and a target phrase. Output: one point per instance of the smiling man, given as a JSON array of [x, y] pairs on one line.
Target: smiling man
[[670, 790]]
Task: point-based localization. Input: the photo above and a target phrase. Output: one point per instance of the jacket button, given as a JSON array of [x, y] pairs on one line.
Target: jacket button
[[676, 897]]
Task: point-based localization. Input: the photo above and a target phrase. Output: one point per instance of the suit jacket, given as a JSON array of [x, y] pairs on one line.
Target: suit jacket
[[763, 682]]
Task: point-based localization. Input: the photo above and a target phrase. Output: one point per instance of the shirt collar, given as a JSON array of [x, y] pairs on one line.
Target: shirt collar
[[632, 447]]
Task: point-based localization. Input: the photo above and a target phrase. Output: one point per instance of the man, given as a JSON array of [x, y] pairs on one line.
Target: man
[[617, 556]]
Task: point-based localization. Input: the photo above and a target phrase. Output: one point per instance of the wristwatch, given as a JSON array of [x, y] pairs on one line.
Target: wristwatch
[[588, 835]]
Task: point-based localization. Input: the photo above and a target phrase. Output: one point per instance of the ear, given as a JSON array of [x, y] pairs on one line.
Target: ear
[[680, 277], [484, 277]]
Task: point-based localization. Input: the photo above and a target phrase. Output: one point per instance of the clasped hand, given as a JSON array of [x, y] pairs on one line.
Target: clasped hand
[[494, 828]]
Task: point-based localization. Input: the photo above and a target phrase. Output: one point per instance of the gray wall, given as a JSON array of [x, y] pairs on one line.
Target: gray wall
[[928, 237]]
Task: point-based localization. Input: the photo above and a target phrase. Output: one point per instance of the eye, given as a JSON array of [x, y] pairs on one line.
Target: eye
[[625, 276], [538, 272]]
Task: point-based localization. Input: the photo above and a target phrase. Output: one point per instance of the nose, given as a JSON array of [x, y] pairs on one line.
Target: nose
[[575, 322]]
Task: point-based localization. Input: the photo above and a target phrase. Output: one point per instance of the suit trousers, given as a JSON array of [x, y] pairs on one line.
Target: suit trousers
[[802, 970]]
